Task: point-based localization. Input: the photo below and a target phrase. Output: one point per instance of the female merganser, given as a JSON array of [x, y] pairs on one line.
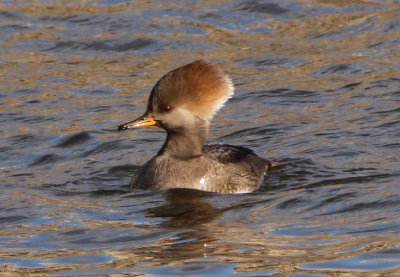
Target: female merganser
[[182, 103]]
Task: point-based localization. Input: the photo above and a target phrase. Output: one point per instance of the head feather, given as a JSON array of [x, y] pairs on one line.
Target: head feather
[[199, 87]]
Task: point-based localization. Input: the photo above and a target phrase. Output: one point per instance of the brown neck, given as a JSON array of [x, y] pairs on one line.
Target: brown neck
[[185, 143]]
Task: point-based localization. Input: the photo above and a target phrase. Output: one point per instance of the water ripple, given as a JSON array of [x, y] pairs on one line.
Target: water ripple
[[317, 89]]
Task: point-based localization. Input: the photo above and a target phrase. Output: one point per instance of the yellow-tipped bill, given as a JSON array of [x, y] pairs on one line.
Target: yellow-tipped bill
[[143, 121]]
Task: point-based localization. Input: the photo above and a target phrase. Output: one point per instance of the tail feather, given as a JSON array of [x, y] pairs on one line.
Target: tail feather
[[271, 163]]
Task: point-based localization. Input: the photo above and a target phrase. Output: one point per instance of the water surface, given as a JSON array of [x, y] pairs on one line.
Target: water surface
[[317, 87]]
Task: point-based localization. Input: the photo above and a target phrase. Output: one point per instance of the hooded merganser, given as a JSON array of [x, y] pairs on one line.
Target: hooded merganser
[[183, 102]]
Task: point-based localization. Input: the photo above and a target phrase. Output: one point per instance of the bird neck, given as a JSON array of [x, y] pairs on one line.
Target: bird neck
[[185, 143]]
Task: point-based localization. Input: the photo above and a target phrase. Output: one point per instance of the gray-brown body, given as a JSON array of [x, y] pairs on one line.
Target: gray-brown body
[[219, 168]]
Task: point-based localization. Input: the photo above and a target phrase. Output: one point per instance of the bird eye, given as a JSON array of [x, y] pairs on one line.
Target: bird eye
[[166, 108]]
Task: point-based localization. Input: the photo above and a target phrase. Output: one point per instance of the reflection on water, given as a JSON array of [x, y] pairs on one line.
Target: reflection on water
[[317, 87]]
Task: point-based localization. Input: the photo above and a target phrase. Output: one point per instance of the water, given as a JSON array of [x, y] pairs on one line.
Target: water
[[317, 87]]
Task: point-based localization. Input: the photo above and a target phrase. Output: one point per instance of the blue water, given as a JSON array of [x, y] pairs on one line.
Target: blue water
[[317, 88]]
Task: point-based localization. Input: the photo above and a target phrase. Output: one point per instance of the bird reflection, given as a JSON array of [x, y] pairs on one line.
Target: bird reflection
[[189, 211], [186, 208]]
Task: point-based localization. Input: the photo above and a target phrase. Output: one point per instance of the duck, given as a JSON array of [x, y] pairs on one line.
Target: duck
[[182, 103]]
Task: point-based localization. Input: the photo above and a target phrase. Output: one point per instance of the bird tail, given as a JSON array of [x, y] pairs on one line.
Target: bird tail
[[271, 163]]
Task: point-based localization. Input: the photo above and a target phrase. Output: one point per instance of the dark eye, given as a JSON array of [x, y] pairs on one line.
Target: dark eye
[[166, 108]]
